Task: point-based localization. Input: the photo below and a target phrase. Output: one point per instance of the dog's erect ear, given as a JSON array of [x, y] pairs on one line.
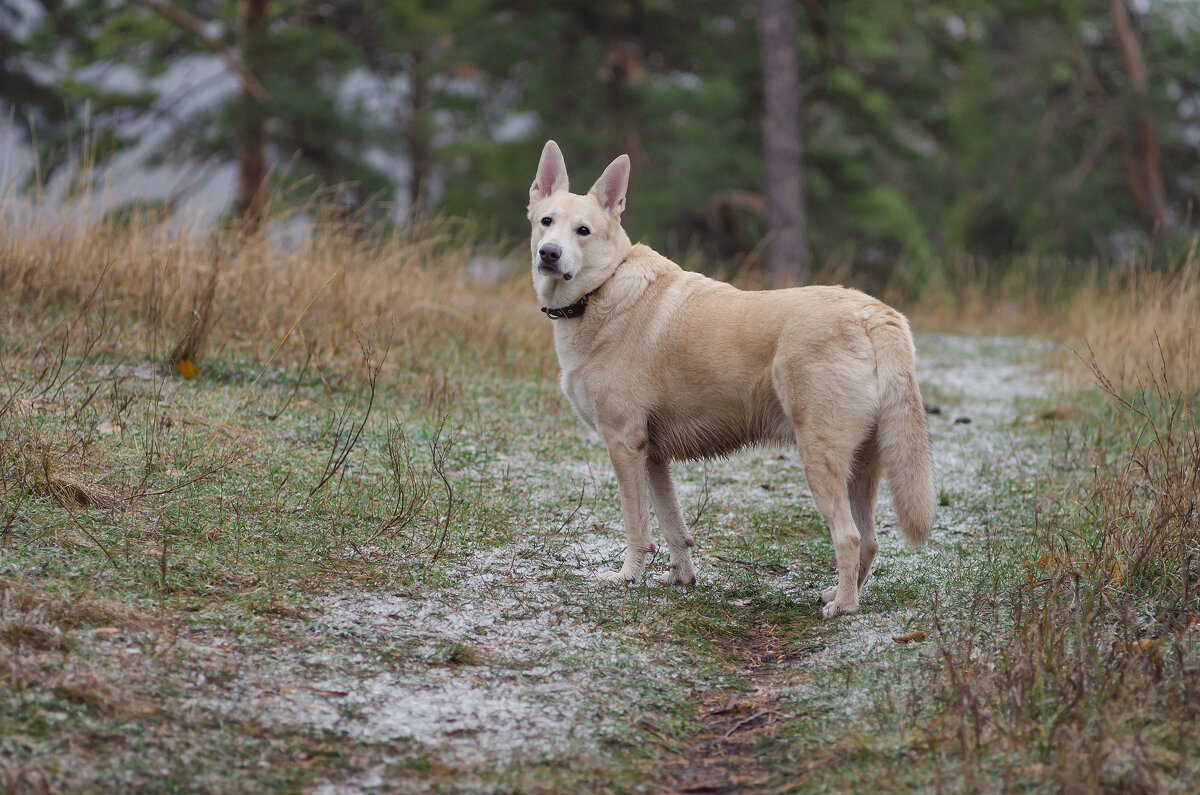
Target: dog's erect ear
[[610, 188], [551, 173]]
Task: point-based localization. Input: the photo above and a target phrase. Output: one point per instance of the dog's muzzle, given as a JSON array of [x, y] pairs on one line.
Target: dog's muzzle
[[548, 256]]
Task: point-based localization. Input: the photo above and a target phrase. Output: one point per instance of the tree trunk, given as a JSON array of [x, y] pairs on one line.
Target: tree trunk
[[625, 68], [1143, 173], [420, 136], [252, 144], [787, 234]]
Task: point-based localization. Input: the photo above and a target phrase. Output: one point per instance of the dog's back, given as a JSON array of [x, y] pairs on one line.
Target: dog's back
[[723, 368]]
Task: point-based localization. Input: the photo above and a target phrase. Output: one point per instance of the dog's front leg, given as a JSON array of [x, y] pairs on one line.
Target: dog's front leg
[[670, 518], [627, 448]]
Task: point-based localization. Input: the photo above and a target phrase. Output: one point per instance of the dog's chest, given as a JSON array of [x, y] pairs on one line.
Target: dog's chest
[[580, 396], [573, 353]]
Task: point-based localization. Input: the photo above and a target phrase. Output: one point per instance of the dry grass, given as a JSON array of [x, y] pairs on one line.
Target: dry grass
[[1128, 318], [1084, 672], [311, 291], [1140, 323], [284, 296]]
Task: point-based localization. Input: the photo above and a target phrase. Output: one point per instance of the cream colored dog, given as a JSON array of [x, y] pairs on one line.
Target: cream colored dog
[[670, 365]]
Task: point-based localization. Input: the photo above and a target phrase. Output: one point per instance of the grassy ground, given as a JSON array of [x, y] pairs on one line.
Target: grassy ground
[[353, 551]]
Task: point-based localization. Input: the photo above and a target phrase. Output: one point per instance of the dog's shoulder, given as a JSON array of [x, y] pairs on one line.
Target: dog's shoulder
[[643, 258], [641, 270]]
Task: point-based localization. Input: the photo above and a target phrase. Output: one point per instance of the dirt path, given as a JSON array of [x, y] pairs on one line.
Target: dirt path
[[972, 387], [735, 724]]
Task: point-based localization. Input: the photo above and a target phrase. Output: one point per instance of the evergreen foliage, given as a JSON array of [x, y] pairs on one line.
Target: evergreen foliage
[[931, 130]]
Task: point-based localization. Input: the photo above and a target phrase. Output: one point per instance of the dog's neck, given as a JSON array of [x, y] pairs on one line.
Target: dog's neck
[[577, 309]]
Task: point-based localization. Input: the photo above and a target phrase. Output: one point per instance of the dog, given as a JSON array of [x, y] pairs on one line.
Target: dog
[[666, 365]]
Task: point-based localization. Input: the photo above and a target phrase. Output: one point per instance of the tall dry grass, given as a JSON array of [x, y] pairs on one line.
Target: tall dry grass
[[1081, 675], [1139, 323], [1082, 672], [1128, 319], [317, 287], [307, 289]]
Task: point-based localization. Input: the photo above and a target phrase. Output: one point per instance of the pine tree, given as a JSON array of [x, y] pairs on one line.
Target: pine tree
[[787, 238]]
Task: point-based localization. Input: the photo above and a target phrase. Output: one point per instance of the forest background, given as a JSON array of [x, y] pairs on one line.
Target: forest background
[[289, 497], [923, 131]]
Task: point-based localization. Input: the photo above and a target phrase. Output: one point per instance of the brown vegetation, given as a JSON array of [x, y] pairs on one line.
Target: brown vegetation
[[270, 298], [1078, 674], [1086, 668]]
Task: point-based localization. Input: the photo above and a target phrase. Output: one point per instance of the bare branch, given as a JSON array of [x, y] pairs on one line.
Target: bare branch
[[195, 26]]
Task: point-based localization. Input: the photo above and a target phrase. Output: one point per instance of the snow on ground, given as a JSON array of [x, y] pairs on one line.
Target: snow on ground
[[503, 663]]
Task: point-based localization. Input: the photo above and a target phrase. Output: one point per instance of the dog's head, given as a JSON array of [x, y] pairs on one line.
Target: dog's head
[[577, 241]]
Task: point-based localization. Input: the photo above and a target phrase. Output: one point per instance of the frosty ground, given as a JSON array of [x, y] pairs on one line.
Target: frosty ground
[[509, 667]]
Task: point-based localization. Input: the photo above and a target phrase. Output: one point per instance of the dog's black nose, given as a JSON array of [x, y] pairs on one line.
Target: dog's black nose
[[550, 252]]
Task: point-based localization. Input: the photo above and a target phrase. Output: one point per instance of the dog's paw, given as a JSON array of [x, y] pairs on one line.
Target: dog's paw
[[828, 594], [836, 608], [678, 575], [615, 578]]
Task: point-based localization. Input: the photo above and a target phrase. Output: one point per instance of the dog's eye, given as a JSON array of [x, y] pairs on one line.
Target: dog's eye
[[583, 231], [547, 221]]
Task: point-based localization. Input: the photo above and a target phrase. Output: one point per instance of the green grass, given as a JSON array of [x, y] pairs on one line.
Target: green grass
[[230, 582], [1048, 665]]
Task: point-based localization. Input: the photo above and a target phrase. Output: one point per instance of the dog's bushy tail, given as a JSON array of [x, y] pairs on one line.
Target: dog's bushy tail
[[902, 435]]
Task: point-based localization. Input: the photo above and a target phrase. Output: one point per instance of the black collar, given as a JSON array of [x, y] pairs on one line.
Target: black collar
[[576, 309], [569, 312]]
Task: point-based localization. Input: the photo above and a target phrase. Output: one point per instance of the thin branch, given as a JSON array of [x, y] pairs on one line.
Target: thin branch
[[312, 346], [1134, 178], [342, 446], [195, 26]]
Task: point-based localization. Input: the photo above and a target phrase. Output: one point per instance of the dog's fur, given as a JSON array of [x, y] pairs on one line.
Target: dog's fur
[[670, 365]]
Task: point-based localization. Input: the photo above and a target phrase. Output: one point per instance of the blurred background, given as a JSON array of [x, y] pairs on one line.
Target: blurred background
[[779, 136]]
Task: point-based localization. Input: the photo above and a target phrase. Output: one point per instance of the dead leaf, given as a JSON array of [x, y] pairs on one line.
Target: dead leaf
[[909, 637], [108, 630], [1117, 570], [187, 368], [1144, 644], [110, 429]]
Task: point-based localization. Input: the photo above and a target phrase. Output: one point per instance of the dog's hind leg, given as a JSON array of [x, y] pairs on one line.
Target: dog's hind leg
[[828, 478], [670, 518], [627, 448], [863, 494], [829, 449]]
